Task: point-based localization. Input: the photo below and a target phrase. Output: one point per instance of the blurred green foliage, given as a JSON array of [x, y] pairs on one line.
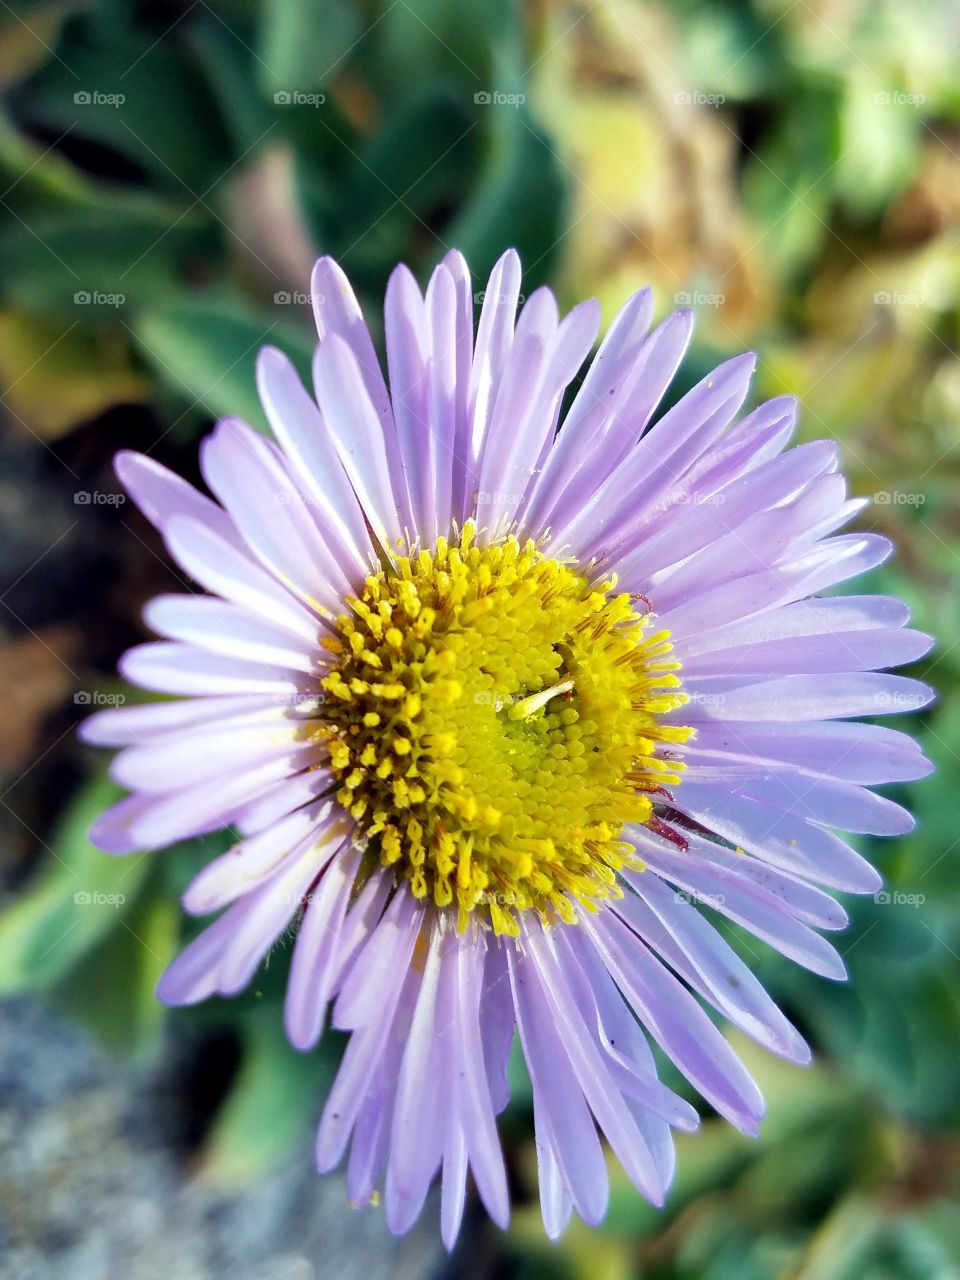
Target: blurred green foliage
[[793, 172]]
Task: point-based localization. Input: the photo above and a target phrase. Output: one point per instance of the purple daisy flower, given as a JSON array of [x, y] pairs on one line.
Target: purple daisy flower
[[495, 710]]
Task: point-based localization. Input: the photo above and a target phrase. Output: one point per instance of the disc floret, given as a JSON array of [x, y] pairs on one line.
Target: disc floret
[[493, 719]]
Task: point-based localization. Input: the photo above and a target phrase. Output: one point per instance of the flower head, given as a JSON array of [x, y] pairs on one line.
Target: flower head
[[498, 714]]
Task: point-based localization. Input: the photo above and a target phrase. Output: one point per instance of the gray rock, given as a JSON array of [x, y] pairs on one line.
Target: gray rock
[[94, 1184]]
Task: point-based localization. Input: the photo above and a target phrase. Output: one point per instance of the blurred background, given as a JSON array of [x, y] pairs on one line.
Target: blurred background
[[169, 171]]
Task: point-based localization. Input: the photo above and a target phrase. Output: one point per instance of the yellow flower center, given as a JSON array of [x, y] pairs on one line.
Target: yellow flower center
[[493, 719]]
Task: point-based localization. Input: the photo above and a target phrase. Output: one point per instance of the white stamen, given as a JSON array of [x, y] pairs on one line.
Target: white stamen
[[526, 707]]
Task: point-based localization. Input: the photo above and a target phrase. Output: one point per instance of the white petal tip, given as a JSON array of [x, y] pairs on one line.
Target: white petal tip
[[302, 1038], [111, 837], [799, 1051], [126, 463], [170, 991]]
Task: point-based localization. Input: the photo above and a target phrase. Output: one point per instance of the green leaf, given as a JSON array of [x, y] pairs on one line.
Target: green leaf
[[520, 200], [411, 170], [879, 148], [277, 1095], [843, 1246], [113, 988], [94, 263], [518, 1078], [79, 897], [230, 67], [207, 349], [447, 38], [135, 94], [31, 172], [302, 42], [783, 180], [729, 48]]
